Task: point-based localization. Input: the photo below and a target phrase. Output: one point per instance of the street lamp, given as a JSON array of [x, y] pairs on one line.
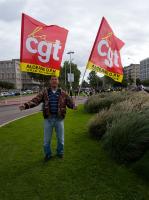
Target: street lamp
[[70, 52]]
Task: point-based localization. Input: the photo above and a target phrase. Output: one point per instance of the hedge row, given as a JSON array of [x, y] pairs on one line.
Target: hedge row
[[124, 125]]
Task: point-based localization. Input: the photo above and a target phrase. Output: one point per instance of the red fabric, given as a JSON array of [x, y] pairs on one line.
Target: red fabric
[[106, 33], [32, 28]]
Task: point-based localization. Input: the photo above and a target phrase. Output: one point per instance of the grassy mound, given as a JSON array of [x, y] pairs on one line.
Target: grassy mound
[[127, 139], [97, 126]]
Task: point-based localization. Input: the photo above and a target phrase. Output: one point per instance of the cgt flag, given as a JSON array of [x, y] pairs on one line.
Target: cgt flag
[[105, 55], [42, 47]]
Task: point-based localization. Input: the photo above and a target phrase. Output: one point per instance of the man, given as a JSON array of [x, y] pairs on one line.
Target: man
[[54, 101]]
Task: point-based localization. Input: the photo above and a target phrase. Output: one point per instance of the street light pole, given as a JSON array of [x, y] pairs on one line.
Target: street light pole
[[70, 52], [70, 70]]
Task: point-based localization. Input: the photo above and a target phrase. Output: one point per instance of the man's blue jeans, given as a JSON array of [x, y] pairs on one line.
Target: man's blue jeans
[[49, 124]]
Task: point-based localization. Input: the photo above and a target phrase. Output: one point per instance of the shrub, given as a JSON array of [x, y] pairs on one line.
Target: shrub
[[97, 125], [127, 138], [141, 167], [96, 103]]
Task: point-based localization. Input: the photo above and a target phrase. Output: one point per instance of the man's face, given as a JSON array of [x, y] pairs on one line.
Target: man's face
[[54, 82]]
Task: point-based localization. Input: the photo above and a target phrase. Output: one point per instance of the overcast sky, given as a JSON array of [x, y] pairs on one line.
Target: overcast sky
[[129, 20]]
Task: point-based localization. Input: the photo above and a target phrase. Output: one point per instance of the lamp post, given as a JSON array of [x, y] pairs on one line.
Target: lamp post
[[70, 52]]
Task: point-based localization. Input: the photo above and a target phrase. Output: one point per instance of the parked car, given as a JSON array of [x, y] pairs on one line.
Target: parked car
[[23, 93], [29, 92], [11, 93], [17, 93], [4, 94]]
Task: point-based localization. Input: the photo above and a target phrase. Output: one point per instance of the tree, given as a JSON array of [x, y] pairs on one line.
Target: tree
[[64, 73], [94, 81], [112, 83], [138, 81], [145, 82], [85, 84], [44, 79]]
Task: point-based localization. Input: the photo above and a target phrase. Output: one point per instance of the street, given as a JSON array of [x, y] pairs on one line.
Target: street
[[12, 112]]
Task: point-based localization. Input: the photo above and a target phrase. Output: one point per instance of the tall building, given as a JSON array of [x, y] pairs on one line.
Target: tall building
[[132, 72], [144, 69], [10, 72]]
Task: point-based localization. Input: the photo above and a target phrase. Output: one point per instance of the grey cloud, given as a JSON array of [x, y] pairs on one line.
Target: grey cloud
[[128, 19], [9, 9]]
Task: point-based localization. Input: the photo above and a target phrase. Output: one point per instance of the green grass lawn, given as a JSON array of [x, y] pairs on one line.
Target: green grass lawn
[[85, 173]]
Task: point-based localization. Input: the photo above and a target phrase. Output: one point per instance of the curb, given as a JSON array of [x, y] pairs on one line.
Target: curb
[[18, 118], [14, 104]]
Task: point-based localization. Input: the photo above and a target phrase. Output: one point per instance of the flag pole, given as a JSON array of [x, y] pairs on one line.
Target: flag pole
[[20, 88], [20, 85], [91, 52]]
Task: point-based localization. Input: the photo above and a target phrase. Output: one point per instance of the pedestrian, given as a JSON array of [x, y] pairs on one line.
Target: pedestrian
[[54, 102]]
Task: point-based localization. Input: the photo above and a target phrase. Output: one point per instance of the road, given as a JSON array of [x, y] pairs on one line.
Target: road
[[12, 112], [9, 111]]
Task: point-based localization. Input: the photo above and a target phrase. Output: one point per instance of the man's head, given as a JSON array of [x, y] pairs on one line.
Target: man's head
[[54, 81]]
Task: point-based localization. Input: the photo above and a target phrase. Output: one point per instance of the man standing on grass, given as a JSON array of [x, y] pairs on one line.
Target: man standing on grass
[[54, 101]]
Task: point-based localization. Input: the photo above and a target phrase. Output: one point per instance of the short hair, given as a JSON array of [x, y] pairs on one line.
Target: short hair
[[53, 76]]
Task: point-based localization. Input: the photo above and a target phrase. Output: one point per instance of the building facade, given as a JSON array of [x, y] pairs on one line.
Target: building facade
[[144, 69], [132, 72], [10, 72]]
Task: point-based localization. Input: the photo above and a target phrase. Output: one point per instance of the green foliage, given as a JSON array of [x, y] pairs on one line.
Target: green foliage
[[145, 82], [85, 84], [6, 85], [138, 81], [109, 82], [43, 79], [65, 70], [98, 124], [127, 138], [94, 80], [85, 173], [40, 77], [95, 103], [141, 167], [98, 102], [124, 122]]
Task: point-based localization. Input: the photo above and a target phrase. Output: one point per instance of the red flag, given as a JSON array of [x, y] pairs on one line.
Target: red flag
[[42, 47], [105, 55]]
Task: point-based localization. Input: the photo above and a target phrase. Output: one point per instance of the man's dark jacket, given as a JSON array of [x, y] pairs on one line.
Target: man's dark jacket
[[63, 101]]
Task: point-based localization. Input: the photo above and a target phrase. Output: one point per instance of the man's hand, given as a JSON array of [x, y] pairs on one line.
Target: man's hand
[[22, 107]]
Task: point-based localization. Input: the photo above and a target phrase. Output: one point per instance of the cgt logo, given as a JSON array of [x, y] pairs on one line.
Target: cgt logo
[[111, 56], [43, 48]]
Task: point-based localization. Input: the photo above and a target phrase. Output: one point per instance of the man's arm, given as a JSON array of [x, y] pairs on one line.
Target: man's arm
[[33, 103]]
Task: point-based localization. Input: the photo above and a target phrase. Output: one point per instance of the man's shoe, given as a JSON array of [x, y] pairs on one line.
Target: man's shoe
[[47, 158]]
